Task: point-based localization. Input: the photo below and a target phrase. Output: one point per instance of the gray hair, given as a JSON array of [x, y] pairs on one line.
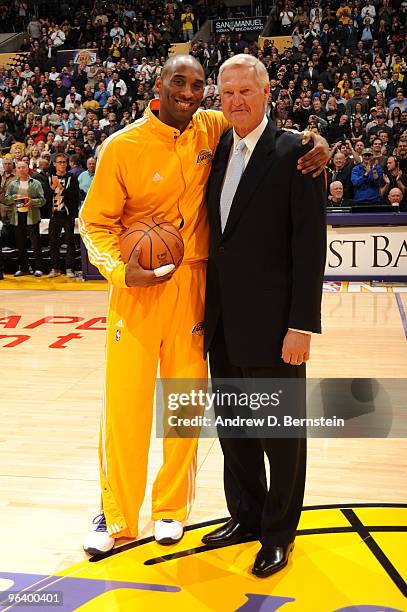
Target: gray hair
[[242, 59]]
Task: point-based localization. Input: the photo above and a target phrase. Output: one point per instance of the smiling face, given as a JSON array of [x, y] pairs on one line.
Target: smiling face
[[243, 98], [180, 86]]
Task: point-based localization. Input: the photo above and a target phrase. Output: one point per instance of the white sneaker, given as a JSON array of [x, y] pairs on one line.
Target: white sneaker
[[168, 531], [70, 273], [98, 541], [38, 273], [54, 273]]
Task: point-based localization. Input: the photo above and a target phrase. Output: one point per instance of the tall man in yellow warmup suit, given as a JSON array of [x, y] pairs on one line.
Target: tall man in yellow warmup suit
[[155, 166]]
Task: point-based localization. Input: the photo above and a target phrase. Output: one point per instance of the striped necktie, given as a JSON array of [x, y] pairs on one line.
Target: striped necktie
[[234, 173]]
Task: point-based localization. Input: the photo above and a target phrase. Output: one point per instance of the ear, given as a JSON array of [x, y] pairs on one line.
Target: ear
[[267, 91], [158, 85]]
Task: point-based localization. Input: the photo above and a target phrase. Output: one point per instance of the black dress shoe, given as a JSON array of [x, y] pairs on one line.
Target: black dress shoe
[[271, 560], [229, 533]]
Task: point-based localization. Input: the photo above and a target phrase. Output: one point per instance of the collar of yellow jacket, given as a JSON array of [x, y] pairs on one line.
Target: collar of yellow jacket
[[162, 129]]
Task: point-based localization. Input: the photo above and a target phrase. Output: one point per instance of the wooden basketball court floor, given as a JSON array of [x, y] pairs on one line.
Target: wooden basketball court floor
[[51, 401]]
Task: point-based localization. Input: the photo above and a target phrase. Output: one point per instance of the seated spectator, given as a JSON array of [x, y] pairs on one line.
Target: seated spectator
[[335, 198], [366, 178], [395, 197]]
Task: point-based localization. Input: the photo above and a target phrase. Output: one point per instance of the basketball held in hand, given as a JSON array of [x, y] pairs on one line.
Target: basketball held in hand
[[160, 242]]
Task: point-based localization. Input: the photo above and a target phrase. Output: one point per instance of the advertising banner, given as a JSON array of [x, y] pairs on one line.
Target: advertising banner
[[367, 252], [239, 26], [79, 56]]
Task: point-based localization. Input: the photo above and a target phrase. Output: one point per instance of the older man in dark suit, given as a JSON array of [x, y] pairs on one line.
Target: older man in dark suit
[[263, 298]]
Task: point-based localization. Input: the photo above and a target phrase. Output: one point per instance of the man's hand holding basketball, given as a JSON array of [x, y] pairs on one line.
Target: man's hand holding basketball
[[296, 347], [316, 159], [136, 276]]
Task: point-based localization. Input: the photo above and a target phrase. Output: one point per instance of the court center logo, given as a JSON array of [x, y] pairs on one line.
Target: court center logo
[[346, 559]]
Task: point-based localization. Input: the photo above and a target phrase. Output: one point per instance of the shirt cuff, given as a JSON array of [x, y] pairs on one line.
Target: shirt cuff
[[301, 331]]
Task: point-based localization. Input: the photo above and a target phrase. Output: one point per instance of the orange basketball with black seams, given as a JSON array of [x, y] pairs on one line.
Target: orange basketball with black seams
[[160, 242]]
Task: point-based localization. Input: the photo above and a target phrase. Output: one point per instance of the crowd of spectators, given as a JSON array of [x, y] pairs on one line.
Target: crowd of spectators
[[344, 76]]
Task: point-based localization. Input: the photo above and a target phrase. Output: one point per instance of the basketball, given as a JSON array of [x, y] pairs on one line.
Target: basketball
[[160, 242]]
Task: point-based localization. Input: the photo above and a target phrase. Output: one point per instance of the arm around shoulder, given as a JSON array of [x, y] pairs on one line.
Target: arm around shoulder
[[308, 249]]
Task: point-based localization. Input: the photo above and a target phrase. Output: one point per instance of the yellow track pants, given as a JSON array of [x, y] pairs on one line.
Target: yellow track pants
[[147, 326]]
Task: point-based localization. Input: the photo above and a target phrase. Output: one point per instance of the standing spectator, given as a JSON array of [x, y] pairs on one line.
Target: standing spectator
[[377, 150], [286, 20], [112, 125], [25, 197], [400, 127], [1, 259], [341, 171], [366, 178], [380, 127], [116, 83], [116, 31], [7, 177], [392, 177], [6, 139], [101, 95], [187, 20], [399, 101], [42, 175], [74, 165], [91, 144], [65, 207], [85, 178], [58, 38], [393, 86], [34, 28]]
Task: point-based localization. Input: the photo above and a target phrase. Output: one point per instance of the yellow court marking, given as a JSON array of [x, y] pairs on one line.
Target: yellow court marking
[[59, 283], [379, 516], [329, 571]]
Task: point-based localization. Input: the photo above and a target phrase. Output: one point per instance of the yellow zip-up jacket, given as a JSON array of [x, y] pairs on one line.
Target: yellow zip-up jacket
[[146, 169]]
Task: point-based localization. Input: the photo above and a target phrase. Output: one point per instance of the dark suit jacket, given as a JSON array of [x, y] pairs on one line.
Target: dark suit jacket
[[314, 80], [265, 271]]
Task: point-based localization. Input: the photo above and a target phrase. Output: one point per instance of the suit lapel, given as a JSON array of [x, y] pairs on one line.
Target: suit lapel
[[216, 181], [259, 165]]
